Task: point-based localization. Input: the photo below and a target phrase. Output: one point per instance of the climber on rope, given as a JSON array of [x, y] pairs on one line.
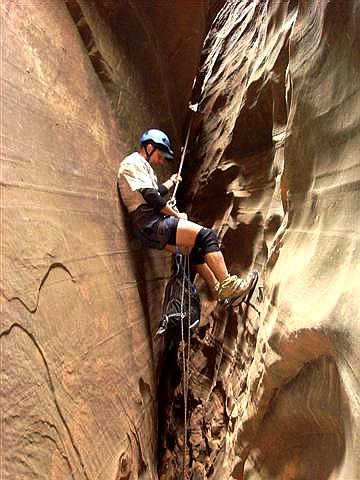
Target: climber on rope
[[158, 225]]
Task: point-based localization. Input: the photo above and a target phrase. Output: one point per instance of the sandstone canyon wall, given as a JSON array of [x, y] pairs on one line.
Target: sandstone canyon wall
[[273, 166], [78, 367], [274, 395]]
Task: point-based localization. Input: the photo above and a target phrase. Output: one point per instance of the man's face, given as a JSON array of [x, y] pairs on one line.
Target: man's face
[[157, 158]]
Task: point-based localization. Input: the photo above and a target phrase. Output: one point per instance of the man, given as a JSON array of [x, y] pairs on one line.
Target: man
[[160, 226]]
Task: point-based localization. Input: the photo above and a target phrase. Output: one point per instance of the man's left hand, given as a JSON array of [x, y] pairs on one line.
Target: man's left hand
[[175, 177]]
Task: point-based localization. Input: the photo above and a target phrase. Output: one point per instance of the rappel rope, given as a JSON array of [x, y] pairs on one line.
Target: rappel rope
[[186, 277], [172, 201], [183, 372], [187, 258], [185, 353]]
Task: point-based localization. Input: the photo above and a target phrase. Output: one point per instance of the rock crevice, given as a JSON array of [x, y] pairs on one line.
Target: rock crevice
[[272, 166]]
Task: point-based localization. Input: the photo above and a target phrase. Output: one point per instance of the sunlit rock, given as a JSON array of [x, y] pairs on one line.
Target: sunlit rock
[[272, 166], [277, 177]]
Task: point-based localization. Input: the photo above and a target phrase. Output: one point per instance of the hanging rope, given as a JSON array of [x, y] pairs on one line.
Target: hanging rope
[[183, 153], [186, 277], [184, 371], [185, 351], [172, 201], [187, 259]]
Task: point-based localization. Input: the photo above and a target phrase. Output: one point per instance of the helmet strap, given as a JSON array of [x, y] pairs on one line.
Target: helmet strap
[[148, 155]]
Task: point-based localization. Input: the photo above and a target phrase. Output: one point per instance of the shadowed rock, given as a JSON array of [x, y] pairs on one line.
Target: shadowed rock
[[278, 178], [272, 166]]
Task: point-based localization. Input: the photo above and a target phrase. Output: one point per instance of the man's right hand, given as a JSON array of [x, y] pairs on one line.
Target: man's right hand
[[174, 212]]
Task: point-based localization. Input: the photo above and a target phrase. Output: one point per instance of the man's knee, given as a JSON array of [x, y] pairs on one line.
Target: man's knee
[[207, 241]]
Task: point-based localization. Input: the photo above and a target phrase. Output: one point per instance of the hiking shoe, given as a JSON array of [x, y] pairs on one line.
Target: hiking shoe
[[233, 287]]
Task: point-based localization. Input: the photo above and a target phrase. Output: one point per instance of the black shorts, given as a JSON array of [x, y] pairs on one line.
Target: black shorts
[[154, 229]]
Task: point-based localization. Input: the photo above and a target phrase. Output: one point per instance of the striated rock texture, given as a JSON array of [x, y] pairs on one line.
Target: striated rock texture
[[276, 395], [273, 167], [78, 366]]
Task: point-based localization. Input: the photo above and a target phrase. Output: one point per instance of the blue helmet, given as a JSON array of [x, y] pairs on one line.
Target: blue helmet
[[159, 139]]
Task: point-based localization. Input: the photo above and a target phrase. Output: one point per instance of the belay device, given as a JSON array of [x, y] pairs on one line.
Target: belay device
[[181, 301]]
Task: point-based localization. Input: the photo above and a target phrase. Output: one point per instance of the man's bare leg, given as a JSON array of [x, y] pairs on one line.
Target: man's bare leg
[[206, 274], [186, 234], [216, 264], [227, 286], [201, 269]]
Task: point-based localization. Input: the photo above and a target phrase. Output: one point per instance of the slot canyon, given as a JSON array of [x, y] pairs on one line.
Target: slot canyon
[[272, 165]]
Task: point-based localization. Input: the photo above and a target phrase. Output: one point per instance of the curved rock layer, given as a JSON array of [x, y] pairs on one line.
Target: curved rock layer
[[146, 55], [79, 303], [273, 390], [274, 395]]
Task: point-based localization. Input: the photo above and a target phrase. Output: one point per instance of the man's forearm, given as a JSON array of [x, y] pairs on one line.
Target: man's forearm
[[168, 184], [170, 211]]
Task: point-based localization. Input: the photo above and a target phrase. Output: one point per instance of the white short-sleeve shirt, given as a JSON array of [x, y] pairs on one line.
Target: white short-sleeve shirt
[[134, 174]]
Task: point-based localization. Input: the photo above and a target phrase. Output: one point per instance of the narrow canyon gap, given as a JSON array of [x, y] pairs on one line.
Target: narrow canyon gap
[[272, 166]]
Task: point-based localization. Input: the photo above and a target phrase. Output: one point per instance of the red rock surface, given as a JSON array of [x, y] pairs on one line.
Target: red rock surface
[[274, 396], [273, 168], [78, 367]]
